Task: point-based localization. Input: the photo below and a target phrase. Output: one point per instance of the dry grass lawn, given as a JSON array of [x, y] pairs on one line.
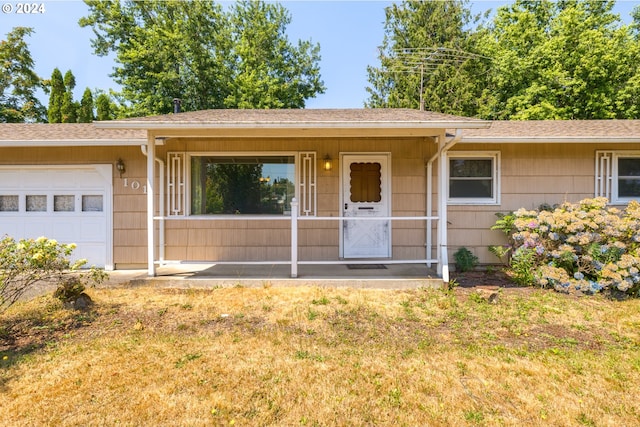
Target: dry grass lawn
[[321, 357]]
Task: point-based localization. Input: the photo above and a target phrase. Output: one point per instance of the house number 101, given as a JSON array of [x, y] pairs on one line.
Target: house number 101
[[135, 185]]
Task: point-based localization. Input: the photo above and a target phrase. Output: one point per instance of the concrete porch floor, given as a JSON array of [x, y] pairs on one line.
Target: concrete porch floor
[[197, 275]]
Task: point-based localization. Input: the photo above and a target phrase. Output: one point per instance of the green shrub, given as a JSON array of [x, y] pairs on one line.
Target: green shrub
[[587, 246], [29, 261], [465, 260], [523, 265], [70, 289]]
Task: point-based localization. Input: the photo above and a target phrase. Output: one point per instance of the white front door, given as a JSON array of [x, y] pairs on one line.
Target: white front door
[[366, 194]]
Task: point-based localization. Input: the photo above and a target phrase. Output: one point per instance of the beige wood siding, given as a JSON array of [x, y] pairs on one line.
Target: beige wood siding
[[203, 239], [531, 175]]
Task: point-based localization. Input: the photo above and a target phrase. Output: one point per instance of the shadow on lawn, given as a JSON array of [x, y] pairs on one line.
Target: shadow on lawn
[[26, 331]]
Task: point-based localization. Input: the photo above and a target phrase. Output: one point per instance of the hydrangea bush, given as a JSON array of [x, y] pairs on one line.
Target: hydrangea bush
[[586, 246]]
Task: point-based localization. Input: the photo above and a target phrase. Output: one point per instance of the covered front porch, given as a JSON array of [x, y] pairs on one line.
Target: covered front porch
[[382, 203]]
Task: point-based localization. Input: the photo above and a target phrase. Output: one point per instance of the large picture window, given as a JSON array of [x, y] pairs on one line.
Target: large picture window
[[473, 178], [242, 185]]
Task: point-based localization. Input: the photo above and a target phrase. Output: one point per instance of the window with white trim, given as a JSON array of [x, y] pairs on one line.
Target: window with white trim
[[618, 176], [628, 178], [473, 178], [242, 184]]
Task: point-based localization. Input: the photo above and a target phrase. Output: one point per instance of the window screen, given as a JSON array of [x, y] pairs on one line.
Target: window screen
[[471, 178]]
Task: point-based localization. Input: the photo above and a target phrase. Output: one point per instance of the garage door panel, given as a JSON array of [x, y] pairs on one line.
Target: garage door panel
[[36, 227], [66, 230], [11, 225], [91, 253], [71, 204], [34, 179], [91, 229]]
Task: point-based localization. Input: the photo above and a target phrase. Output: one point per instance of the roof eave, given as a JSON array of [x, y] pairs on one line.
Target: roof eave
[[297, 125], [73, 143], [549, 140]]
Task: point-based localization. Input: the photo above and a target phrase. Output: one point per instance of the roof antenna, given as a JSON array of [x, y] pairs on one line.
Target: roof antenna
[[425, 60], [176, 105]]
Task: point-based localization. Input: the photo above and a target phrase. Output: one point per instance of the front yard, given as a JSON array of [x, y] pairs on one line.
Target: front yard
[[321, 356]]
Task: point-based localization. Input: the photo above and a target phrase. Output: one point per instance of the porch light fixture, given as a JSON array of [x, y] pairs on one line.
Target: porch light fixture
[[120, 167], [327, 163]]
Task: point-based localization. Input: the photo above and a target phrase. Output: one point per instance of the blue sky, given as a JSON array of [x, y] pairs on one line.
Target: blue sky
[[349, 33]]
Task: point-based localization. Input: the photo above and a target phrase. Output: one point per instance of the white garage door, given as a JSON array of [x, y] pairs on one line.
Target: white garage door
[[71, 204]]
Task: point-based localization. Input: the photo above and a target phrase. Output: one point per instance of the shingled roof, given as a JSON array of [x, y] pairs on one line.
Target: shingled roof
[[65, 134], [133, 131], [365, 117], [556, 131]]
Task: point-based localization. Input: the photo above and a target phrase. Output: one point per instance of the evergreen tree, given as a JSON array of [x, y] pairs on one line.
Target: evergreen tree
[[18, 81], [428, 53], [85, 113], [69, 108], [570, 59], [56, 94], [69, 81], [104, 108]]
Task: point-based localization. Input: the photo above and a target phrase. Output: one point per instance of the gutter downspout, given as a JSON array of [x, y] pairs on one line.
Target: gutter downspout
[[443, 148], [161, 230]]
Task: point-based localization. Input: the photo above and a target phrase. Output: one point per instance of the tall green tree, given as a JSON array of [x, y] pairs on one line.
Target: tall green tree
[[85, 112], [198, 52], [267, 70], [69, 81], [105, 108], [18, 81], [62, 107], [69, 108], [56, 94], [164, 50], [428, 52], [571, 59]]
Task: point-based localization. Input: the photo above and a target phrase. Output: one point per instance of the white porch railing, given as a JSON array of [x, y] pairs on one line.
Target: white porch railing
[[295, 261], [295, 218]]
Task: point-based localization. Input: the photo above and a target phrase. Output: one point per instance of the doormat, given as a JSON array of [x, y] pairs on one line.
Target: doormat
[[366, 267]]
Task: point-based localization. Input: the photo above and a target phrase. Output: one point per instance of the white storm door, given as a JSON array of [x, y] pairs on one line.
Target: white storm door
[[366, 194]]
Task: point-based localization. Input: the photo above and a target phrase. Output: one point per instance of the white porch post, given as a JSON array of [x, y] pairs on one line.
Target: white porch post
[[151, 156], [294, 237], [443, 265]]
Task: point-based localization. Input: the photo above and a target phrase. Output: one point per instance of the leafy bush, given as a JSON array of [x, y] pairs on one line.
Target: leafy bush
[[465, 260], [70, 289], [29, 261], [523, 263], [586, 246]]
